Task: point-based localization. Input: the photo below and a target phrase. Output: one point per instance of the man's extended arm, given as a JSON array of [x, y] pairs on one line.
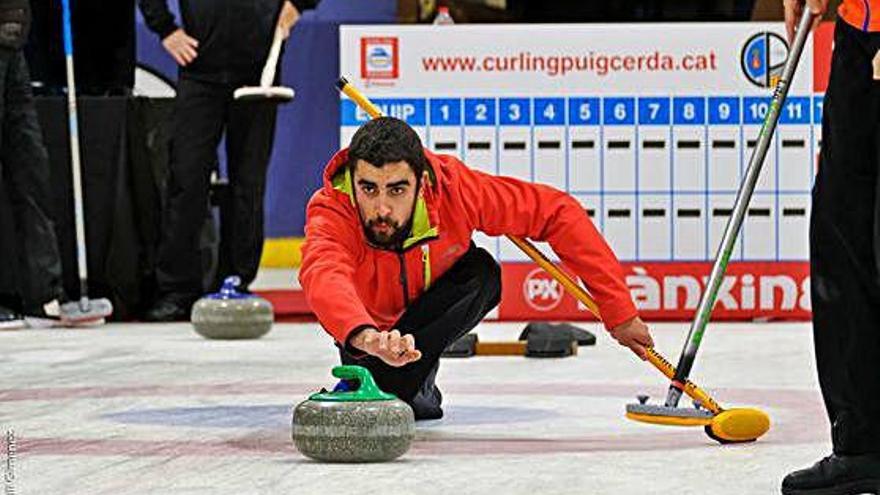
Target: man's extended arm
[[327, 277], [508, 206], [328, 269]]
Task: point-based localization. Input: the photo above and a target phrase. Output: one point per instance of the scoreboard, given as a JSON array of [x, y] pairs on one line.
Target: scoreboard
[[649, 126]]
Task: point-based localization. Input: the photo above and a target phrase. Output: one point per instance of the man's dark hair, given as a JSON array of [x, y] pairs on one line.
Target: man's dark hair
[[387, 140]]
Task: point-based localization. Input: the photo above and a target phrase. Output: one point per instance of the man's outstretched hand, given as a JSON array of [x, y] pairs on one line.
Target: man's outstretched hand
[[634, 334], [392, 347]]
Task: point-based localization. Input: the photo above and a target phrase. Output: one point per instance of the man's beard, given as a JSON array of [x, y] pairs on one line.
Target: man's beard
[[398, 234], [392, 239]]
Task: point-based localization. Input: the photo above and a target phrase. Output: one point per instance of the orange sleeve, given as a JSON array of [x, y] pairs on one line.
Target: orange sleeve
[[507, 206], [329, 257]]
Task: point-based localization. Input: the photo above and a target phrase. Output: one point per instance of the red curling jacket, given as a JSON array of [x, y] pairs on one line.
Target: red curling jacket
[[350, 284]]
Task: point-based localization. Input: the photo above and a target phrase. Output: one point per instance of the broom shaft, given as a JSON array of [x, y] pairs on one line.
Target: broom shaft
[[268, 75], [725, 249], [75, 163]]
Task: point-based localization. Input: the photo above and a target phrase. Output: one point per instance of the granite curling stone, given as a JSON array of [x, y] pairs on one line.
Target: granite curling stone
[[230, 314], [360, 425]]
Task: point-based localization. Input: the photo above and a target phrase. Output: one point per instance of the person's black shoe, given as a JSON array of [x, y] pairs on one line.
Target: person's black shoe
[[171, 307], [426, 403], [10, 320], [836, 475]]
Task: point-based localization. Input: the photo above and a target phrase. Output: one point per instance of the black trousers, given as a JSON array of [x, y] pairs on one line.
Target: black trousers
[[203, 111], [845, 246], [24, 169], [451, 307]]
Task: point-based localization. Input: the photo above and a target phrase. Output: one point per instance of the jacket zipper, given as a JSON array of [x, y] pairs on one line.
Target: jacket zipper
[[426, 265], [403, 280]]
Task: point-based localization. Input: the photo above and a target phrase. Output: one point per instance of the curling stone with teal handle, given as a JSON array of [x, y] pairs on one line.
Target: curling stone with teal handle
[[361, 425], [230, 314]]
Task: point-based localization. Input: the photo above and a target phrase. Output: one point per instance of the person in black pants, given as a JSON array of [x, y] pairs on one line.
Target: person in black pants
[[452, 307], [845, 264], [222, 46], [24, 169]]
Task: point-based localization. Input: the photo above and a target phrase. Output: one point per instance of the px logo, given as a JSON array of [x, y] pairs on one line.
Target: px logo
[[542, 292], [762, 59]]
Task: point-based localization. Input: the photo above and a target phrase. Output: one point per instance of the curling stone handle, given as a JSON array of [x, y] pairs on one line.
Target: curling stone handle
[[366, 383], [230, 285], [367, 389]]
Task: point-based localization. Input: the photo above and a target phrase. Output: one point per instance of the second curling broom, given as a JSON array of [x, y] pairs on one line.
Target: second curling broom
[[735, 425]]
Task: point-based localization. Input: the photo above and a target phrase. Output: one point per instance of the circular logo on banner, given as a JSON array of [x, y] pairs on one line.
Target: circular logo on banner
[[541, 291], [379, 57], [763, 57]]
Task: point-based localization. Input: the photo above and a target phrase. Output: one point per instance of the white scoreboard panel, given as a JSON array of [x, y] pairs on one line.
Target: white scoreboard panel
[[650, 127]]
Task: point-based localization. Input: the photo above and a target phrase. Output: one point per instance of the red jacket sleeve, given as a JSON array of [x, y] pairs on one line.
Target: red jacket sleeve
[[507, 206], [328, 266]]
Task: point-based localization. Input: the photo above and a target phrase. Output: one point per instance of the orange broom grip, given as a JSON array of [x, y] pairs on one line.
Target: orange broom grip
[[358, 97]]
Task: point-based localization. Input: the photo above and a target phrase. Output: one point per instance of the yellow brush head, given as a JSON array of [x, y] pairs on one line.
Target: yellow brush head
[[728, 426], [669, 420], [738, 425]]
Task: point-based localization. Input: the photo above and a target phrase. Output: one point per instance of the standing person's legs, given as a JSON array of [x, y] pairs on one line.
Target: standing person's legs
[[199, 114], [453, 306], [845, 271], [844, 248], [10, 301], [249, 137], [27, 167]]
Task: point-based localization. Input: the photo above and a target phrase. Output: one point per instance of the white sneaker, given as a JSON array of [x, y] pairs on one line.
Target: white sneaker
[[48, 319]]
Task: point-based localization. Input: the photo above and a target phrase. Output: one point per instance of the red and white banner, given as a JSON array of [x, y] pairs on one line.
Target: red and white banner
[[668, 291]]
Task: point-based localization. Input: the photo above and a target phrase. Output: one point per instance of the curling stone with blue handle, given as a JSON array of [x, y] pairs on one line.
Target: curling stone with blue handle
[[230, 314]]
